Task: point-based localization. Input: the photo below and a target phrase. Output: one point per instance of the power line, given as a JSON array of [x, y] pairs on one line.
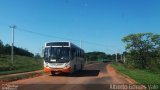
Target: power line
[[46, 35], [53, 36], [93, 43]]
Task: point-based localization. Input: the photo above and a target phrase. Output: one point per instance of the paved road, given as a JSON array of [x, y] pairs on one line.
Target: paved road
[[93, 77]]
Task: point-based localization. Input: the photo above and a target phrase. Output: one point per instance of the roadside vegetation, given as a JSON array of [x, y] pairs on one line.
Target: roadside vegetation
[[142, 61], [94, 57], [143, 51], [142, 76], [20, 64], [24, 60], [6, 50]]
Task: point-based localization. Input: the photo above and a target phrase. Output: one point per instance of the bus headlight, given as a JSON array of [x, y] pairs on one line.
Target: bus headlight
[[45, 64]]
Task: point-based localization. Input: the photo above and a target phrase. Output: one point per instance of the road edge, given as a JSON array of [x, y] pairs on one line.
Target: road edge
[[19, 76], [129, 79]]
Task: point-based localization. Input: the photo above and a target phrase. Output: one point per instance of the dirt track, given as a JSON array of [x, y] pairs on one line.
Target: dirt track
[[93, 77]]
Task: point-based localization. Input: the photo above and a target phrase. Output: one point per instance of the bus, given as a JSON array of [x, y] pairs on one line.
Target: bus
[[63, 57]]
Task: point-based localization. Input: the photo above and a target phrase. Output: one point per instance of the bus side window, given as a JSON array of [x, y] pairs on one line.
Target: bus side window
[[77, 53], [73, 53], [80, 53]]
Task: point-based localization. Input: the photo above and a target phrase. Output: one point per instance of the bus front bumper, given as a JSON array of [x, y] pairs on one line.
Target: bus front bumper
[[64, 70]]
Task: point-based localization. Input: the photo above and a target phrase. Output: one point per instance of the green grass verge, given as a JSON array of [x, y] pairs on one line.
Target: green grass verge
[[21, 64], [141, 76]]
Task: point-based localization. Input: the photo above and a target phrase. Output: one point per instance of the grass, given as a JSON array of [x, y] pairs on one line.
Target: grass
[[141, 76], [21, 64]]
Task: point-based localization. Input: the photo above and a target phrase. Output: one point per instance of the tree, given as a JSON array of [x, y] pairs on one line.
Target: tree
[[142, 47], [93, 56], [37, 55], [6, 49], [1, 47]]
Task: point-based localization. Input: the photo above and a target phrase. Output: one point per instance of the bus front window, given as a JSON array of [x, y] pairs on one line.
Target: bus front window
[[60, 54]]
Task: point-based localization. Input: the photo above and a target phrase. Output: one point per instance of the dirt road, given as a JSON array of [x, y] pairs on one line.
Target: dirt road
[[93, 77]]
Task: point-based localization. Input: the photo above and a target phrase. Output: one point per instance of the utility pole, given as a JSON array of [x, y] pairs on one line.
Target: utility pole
[[116, 57], [124, 58], [12, 49], [121, 57], [42, 52]]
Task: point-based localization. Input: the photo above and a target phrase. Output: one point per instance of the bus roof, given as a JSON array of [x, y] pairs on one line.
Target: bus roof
[[61, 44]]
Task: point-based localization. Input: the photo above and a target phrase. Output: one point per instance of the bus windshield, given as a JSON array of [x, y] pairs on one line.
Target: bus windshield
[[60, 54]]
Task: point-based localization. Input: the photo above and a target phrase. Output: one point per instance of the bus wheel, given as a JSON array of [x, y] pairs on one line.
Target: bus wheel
[[52, 72]]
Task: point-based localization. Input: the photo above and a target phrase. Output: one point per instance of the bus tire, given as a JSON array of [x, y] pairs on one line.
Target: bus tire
[[53, 73]]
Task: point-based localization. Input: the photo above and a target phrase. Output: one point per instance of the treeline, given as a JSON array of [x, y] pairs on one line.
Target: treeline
[[6, 50], [143, 51], [94, 56]]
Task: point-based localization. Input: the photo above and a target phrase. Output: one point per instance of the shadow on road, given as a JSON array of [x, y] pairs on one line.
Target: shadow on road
[[83, 73]]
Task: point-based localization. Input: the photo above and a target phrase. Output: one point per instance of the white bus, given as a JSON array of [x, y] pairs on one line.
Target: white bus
[[63, 57]]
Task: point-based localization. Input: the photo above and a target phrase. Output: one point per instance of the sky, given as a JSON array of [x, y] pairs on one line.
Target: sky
[[100, 24]]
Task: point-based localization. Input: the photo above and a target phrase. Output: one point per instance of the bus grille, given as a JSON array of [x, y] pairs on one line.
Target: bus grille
[[56, 64]]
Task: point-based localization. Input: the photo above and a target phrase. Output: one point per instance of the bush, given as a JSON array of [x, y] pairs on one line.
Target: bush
[[21, 64], [143, 51], [6, 49]]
